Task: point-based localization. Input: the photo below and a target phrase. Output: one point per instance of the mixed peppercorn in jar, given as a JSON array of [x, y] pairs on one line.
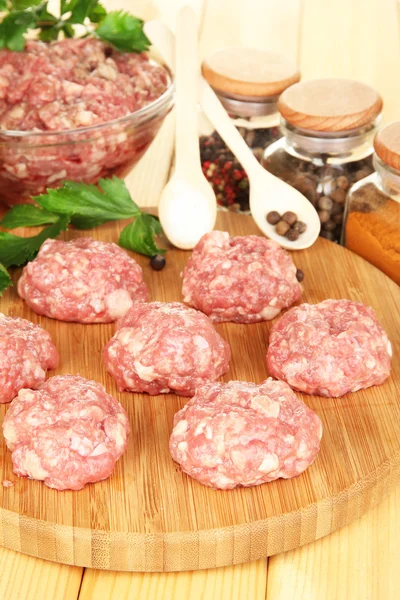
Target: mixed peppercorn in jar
[[248, 83]]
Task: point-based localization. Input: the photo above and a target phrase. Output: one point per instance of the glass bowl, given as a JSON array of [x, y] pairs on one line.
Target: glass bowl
[[31, 162]]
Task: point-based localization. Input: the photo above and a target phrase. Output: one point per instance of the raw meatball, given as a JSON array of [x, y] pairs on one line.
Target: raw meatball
[[83, 280], [26, 352], [241, 279], [165, 347], [68, 433], [240, 433], [330, 348]]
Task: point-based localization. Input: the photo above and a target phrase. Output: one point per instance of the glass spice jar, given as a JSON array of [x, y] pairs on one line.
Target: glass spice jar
[[372, 217], [328, 127], [248, 83]]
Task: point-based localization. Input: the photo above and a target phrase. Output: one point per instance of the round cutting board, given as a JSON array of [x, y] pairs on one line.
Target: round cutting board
[[149, 516]]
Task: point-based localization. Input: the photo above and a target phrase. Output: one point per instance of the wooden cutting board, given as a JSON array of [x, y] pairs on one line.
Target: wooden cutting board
[[148, 516]]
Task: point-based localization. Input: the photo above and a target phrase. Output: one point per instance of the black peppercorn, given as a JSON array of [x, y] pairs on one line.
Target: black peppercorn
[[282, 228], [299, 275], [273, 217], [289, 217], [300, 226], [157, 262], [292, 234]]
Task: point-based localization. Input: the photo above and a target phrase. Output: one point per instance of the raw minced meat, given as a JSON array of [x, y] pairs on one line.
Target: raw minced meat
[[165, 347], [244, 434], [26, 352], [68, 433], [243, 279], [66, 87], [84, 280], [74, 83], [330, 348]]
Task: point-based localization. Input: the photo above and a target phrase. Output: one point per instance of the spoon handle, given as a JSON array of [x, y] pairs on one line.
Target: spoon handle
[[218, 116], [187, 90]]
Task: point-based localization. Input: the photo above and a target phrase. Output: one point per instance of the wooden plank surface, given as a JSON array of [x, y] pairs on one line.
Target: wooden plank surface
[[358, 562], [354, 39], [27, 578], [247, 581]]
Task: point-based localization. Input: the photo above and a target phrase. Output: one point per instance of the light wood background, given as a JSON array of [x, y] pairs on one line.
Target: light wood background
[[349, 38]]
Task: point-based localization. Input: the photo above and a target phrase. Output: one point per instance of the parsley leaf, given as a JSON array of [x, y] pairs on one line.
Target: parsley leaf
[[89, 206], [81, 9], [139, 235], [84, 206], [5, 279], [13, 27], [3, 5], [27, 215], [123, 31], [15, 250], [22, 4]]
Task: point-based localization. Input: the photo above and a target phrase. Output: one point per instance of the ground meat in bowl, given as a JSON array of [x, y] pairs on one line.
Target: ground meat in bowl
[[330, 348], [244, 434], [84, 280], [244, 279], [26, 352], [68, 433], [165, 347], [66, 86]]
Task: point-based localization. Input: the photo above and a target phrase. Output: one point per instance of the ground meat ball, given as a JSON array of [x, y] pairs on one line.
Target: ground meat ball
[[165, 347], [83, 280], [26, 352], [241, 279], [330, 348], [243, 434], [68, 433], [74, 83]]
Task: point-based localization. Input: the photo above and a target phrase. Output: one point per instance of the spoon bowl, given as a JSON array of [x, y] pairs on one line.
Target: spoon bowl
[[266, 194], [187, 210]]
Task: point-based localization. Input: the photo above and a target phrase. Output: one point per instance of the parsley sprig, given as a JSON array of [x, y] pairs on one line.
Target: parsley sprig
[[82, 205], [119, 28]]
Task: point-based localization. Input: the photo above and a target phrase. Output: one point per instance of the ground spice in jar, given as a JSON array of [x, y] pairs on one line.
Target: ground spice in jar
[[372, 227], [248, 83], [375, 234]]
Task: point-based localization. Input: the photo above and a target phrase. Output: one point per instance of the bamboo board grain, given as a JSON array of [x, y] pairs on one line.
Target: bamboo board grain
[[149, 516]]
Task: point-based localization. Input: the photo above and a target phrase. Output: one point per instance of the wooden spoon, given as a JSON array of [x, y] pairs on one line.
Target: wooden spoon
[[188, 207], [267, 192]]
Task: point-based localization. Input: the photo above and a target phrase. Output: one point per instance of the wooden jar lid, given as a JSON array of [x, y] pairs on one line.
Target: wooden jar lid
[[330, 105], [248, 72], [387, 145]]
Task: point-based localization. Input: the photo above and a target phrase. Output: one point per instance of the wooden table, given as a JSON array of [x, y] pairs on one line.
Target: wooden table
[[347, 38]]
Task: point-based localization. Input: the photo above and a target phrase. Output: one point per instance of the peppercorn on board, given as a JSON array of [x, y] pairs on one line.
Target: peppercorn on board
[[149, 516]]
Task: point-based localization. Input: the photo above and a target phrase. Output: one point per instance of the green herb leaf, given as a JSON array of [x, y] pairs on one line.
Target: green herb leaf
[[23, 4], [3, 5], [15, 250], [139, 235], [97, 14], [13, 27], [123, 31], [27, 215], [87, 205], [5, 279], [79, 9]]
